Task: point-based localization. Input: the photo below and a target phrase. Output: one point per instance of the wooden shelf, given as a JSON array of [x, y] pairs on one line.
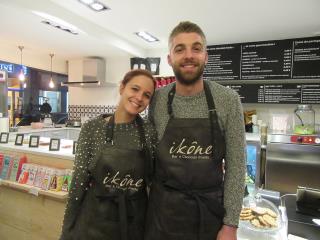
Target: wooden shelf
[[34, 190]]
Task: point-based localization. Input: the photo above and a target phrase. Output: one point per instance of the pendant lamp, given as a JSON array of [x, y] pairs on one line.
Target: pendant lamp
[[21, 74], [51, 84]]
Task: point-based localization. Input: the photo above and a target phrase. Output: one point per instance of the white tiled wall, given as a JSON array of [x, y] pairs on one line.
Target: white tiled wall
[[266, 111]]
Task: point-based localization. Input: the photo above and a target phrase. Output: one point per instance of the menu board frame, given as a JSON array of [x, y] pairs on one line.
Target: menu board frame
[[296, 58], [277, 93]]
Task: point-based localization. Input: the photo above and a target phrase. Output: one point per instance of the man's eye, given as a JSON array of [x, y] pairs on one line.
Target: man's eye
[[197, 49], [135, 89], [178, 50]]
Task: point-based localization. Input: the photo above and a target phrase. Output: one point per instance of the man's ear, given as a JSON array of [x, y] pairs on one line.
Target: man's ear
[[206, 61], [169, 60]]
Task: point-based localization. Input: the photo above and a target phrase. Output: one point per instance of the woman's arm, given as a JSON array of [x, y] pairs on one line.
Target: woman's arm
[[80, 180]]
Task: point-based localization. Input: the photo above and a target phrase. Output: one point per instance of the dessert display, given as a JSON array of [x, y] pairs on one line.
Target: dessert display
[[259, 217], [259, 214]]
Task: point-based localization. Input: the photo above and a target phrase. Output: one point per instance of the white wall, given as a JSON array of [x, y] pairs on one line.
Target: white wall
[[30, 59], [266, 111], [115, 70], [165, 68]]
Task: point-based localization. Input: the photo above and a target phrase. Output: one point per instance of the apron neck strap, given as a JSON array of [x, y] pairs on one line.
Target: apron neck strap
[[216, 130], [142, 136], [171, 94], [110, 130], [209, 98]]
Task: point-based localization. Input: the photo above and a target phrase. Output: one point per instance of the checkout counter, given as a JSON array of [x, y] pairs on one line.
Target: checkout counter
[[293, 161]]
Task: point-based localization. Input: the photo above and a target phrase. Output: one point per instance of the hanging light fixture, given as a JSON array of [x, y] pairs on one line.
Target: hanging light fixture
[[21, 74], [51, 84]]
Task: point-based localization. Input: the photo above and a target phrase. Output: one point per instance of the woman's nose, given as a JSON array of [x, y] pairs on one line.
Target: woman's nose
[[140, 96]]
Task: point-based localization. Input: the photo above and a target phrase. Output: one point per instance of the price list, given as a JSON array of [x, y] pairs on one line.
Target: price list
[[278, 93], [282, 93], [251, 93], [306, 61], [310, 94], [223, 62], [266, 60], [279, 59]]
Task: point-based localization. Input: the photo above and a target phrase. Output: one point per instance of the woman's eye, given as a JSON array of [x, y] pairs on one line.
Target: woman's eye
[[147, 95], [135, 89]]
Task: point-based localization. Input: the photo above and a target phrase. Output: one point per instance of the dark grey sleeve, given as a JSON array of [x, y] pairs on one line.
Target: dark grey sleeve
[[80, 181], [234, 162], [152, 106], [151, 139]]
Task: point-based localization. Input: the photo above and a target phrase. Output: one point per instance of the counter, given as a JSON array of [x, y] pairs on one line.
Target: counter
[[27, 212]]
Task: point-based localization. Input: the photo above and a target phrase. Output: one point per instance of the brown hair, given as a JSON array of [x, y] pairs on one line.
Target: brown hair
[[137, 72], [186, 27]]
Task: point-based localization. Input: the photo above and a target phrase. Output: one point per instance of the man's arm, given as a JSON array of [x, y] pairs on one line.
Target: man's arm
[[234, 180]]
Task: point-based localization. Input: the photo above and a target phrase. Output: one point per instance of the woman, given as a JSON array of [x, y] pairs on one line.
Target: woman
[[108, 192]]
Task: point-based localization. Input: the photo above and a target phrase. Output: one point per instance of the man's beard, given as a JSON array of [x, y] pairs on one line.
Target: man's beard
[[186, 79]]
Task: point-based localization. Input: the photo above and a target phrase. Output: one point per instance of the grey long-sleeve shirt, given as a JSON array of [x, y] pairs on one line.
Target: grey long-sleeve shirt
[[230, 116]]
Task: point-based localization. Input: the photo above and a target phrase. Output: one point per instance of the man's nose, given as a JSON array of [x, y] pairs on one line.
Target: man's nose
[[188, 53]]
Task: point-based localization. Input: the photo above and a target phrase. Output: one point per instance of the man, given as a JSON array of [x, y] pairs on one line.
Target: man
[[200, 125]]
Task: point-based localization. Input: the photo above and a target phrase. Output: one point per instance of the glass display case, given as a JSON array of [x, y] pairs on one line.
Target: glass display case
[[253, 162]]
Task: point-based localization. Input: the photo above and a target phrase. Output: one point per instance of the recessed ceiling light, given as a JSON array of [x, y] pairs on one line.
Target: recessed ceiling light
[[146, 36], [97, 6], [86, 1], [58, 23], [94, 5]]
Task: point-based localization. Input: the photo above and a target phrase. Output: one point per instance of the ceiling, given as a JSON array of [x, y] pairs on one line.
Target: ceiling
[[110, 33]]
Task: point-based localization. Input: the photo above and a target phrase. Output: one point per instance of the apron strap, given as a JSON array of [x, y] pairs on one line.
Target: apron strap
[[216, 130], [110, 128], [171, 94], [142, 136], [122, 199], [146, 150], [203, 203]]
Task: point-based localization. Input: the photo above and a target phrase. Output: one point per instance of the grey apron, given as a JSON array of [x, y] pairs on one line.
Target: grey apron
[[115, 204], [186, 198]]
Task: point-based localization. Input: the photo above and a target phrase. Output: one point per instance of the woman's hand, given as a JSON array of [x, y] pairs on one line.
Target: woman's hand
[[227, 233]]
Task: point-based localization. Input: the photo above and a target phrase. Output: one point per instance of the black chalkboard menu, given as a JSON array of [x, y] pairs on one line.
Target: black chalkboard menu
[[279, 59], [278, 93]]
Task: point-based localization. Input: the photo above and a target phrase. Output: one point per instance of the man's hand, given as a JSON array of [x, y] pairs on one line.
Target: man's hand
[[227, 233]]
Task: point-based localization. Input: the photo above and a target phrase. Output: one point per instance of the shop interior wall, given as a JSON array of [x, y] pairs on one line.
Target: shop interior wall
[[264, 111], [108, 95], [116, 67], [31, 59]]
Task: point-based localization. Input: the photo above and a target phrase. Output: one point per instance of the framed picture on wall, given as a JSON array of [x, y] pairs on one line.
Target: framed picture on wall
[[4, 137], [54, 144], [74, 149], [34, 141], [19, 139]]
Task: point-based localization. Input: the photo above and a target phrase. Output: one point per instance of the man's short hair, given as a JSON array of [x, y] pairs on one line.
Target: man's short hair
[[186, 27]]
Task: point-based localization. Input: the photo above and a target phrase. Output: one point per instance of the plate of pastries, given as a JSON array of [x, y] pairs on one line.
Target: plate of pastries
[[259, 215]]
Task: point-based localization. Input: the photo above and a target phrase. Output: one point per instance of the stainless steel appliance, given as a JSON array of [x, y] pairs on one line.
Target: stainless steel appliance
[[292, 161]]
